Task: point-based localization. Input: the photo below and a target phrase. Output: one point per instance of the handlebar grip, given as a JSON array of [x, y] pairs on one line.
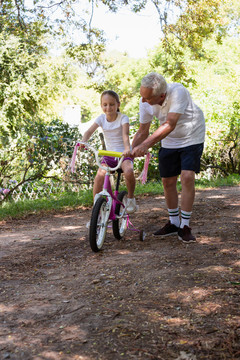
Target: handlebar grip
[[109, 153]]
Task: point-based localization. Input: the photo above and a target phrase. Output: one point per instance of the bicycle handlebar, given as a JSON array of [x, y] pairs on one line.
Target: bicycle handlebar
[[109, 153], [98, 153]]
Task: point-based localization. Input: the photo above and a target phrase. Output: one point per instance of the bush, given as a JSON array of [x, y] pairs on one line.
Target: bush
[[222, 149], [43, 151]]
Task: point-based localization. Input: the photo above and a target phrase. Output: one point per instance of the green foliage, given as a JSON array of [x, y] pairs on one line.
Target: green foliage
[[218, 95], [17, 99], [197, 22], [135, 5], [30, 84], [223, 143], [191, 22], [175, 65], [89, 54], [37, 151]]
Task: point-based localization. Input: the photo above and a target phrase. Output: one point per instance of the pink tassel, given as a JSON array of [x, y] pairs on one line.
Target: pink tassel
[[145, 169], [73, 160]]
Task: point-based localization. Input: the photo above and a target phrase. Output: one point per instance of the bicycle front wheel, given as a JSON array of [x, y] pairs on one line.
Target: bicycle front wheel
[[98, 224], [119, 225]]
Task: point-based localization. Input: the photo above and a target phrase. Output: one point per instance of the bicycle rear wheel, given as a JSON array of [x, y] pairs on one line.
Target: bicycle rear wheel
[[119, 225], [98, 224]]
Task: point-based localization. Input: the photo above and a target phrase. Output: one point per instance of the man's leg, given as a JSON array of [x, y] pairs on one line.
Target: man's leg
[[188, 190], [171, 198], [187, 200], [170, 191]]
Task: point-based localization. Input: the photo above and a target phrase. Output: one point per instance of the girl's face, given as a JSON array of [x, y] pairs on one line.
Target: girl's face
[[109, 105]]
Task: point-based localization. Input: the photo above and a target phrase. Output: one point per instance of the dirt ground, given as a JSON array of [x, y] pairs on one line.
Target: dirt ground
[[157, 299]]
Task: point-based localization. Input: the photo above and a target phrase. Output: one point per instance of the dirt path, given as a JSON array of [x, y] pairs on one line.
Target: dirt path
[[157, 299]]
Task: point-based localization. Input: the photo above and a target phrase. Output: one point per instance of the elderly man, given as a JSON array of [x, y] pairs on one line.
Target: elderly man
[[181, 132]]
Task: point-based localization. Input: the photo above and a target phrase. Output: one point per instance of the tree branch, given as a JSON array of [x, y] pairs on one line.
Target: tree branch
[[21, 22], [51, 6]]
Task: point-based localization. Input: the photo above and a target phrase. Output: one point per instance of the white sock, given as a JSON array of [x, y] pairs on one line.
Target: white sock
[[174, 216], [185, 218]]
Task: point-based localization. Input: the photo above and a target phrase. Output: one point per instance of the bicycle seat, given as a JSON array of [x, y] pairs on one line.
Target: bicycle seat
[[119, 171]]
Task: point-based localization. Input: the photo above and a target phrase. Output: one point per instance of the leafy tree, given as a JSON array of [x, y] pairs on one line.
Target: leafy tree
[[189, 22], [29, 84], [222, 144], [217, 93]]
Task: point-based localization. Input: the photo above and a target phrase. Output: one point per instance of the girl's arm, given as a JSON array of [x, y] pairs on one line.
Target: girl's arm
[[126, 140], [89, 132]]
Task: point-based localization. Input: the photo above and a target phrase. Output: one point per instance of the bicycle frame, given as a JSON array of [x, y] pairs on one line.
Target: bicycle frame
[[107, 188], [111, 196], [109, 205]]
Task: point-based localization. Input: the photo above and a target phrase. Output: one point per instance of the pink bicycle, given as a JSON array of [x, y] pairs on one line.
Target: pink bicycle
[[109, 205]]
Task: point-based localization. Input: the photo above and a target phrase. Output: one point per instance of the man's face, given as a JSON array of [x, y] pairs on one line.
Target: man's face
[[147, 96]]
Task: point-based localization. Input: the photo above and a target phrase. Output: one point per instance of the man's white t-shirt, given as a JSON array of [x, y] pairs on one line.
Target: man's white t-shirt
[[190, 128], [113, 131]]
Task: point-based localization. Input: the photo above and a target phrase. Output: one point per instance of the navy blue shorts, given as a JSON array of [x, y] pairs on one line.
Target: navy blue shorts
[[173, 161]]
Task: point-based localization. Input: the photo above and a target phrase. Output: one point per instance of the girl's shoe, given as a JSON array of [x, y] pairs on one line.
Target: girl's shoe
[[131, 206]]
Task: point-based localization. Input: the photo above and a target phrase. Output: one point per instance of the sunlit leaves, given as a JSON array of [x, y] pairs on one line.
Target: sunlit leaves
[[183, 24], [196, 24], [30, 83], [134, 5]]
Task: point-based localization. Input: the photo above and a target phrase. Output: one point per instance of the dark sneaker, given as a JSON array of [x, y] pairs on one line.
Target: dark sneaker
[[166, 230], [185, 235]]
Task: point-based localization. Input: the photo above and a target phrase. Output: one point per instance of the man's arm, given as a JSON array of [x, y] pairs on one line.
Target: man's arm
[[141, 134], [140, 148]]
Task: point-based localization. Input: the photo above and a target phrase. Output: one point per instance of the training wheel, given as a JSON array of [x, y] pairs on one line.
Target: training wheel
[[142, 235]]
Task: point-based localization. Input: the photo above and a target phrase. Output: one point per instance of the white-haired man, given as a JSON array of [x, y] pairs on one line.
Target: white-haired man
[[182, 133]]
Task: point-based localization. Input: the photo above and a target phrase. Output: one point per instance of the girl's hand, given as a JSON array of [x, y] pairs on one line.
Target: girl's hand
[[127, 153], [82, 147]]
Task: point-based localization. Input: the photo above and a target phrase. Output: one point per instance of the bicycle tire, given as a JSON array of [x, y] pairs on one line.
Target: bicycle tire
[[119, 226], [98, 224]]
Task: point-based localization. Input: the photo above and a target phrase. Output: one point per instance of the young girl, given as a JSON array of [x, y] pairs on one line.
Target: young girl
[[116, 133]]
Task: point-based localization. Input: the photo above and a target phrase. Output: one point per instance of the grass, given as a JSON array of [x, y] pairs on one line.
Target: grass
[[72, 200], [64, 201]]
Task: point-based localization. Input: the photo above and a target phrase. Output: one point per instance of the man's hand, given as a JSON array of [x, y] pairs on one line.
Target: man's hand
[[139, 150]]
